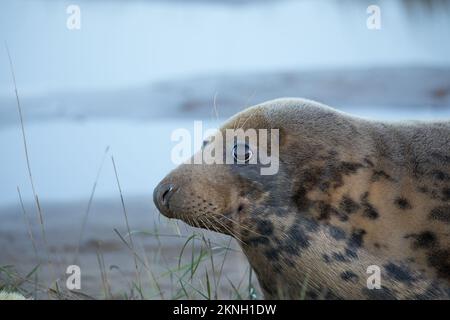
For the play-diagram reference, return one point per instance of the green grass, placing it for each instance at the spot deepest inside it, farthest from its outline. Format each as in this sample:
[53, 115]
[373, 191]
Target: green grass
[196, 273]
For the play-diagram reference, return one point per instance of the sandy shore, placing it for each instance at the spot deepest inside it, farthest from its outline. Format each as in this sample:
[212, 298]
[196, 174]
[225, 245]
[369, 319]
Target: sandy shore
[62, 228]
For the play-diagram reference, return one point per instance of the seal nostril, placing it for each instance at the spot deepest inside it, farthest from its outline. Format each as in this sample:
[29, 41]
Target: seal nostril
[165, 195]
[161, 196]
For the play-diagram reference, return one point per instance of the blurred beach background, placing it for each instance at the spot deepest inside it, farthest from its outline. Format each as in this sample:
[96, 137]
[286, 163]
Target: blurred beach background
[137, 70]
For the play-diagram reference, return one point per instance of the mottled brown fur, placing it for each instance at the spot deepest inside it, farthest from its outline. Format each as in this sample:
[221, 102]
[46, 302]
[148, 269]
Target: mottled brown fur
[349, 193]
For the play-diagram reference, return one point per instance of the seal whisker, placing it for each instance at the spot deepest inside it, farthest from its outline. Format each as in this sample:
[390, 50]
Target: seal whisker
[232, 233]
[222, 225]
[248, 118]
[216, 112]
[211, 224]
[240, 225]
[206, 223]
[191, 222]
[236, 125]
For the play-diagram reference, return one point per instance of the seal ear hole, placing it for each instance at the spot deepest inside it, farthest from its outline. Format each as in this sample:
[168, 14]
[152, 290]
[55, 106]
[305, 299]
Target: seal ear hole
[240, 208]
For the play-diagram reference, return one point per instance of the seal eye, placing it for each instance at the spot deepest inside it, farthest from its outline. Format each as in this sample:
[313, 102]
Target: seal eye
[242, 153]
